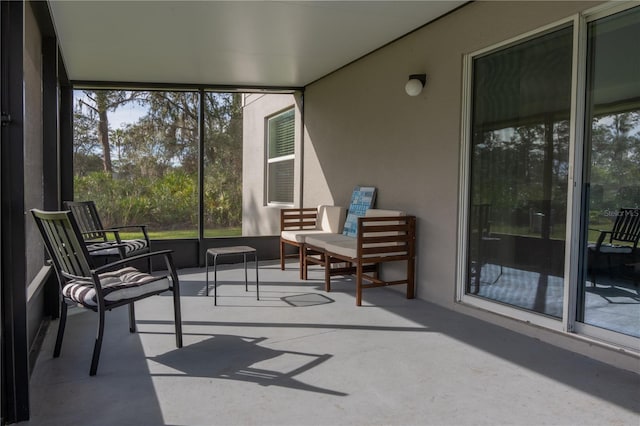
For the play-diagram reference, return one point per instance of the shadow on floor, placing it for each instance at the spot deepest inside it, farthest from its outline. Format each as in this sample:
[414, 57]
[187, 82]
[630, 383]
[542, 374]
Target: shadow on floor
[242, 358]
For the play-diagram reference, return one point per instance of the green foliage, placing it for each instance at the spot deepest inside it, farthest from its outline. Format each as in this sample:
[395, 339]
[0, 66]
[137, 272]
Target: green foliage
[154, 174]
[165, 204]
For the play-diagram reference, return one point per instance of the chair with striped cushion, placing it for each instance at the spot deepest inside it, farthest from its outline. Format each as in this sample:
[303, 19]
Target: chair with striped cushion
[621, 242]
[99, 242]
[102, 288]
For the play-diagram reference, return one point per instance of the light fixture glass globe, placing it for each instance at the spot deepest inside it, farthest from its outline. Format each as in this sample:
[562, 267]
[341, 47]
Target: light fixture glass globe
[413, 87]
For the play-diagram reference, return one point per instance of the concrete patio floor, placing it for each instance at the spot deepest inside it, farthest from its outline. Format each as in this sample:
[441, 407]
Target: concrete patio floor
[301, 356]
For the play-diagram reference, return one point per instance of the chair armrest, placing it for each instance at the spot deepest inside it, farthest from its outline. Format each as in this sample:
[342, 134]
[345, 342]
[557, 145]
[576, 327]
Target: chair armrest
[143, 229]
[298, 218]
[392, 236]
[601, 237]
[127, 226]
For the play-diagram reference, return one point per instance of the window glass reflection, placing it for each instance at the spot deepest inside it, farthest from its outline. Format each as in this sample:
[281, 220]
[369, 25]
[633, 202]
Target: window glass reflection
[609, 295]
[519, 170]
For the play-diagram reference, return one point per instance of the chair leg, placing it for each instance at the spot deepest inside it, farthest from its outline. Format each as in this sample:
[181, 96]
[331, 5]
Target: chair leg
[477, 277]
[98, 344]
[593, 271]
[62, 322]
[301, 254]
[327, 272]
[132, 318]
[411, 274]
[177, 316]
[281, 255]
[359, 284]
[176, 298]
[303, 262]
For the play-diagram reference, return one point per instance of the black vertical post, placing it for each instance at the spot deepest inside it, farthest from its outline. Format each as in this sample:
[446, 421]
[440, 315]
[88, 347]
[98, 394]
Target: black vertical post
[65, 149]
[50, 153]
[201, 154]
[50, 129]
[15, 352]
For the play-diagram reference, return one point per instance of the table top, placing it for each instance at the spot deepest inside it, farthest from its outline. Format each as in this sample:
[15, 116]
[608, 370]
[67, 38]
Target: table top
[231, 250]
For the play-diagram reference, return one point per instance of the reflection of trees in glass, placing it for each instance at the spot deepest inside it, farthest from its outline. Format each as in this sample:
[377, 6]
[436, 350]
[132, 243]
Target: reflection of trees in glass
[509, 169]
[522, 170]
[615, 162]
[153, 177]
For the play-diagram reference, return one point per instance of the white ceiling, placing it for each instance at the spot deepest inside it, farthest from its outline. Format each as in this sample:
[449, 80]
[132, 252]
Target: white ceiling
[238, 43]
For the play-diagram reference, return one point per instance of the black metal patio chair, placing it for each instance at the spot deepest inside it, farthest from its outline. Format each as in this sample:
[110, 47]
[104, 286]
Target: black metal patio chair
[620, 242]
[103, 288]
[98, 239]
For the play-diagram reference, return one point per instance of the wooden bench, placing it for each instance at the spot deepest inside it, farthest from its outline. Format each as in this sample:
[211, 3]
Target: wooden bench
[296, 224]
[383, 236]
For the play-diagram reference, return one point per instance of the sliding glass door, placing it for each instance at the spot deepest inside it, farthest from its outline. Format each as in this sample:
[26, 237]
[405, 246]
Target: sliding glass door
[521, 104]
[609, 292]
[552, 177]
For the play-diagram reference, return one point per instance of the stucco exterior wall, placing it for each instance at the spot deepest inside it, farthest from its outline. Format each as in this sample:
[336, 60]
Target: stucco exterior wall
[259, 218]
[362, 128]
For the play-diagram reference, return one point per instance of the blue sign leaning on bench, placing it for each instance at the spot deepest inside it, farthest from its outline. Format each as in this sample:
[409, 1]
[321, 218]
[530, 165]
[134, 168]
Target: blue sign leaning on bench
[362, 199]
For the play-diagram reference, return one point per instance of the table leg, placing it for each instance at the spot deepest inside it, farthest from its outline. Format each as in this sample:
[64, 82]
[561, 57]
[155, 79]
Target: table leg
[246, 285]
[215, 280]
[206, 267]
[255, 258]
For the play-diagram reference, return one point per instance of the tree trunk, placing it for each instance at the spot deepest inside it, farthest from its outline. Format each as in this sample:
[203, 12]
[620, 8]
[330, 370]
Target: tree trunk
[103, 130]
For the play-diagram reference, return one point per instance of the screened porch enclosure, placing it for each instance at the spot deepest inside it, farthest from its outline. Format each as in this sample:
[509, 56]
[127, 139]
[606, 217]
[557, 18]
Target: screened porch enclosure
[202, 122]
[174, 159]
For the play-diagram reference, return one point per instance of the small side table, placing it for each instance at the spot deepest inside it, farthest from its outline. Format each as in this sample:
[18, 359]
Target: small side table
[226, 251]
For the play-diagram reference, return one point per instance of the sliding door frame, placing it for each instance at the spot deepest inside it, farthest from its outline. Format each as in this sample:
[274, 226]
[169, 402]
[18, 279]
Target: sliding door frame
[577, 131]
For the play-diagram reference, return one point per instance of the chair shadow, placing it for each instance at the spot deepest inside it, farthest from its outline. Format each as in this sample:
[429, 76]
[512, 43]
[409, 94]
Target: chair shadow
[242, 358]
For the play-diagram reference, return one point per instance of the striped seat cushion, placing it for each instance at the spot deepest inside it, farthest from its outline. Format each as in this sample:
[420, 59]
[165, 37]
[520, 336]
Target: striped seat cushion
[612, 248]
[126, 283]
[130, 247]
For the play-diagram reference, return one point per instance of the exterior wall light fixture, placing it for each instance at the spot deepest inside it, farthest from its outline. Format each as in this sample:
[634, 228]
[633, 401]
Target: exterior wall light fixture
[415, 84]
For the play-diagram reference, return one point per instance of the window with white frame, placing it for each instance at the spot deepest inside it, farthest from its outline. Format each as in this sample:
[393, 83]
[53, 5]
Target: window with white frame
[280, 157]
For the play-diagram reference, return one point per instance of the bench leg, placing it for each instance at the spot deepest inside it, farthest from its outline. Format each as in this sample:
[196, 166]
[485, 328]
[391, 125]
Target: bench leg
[327, 272]
[359, 284]
[301, 254]
[281, 255]
[411, 274]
